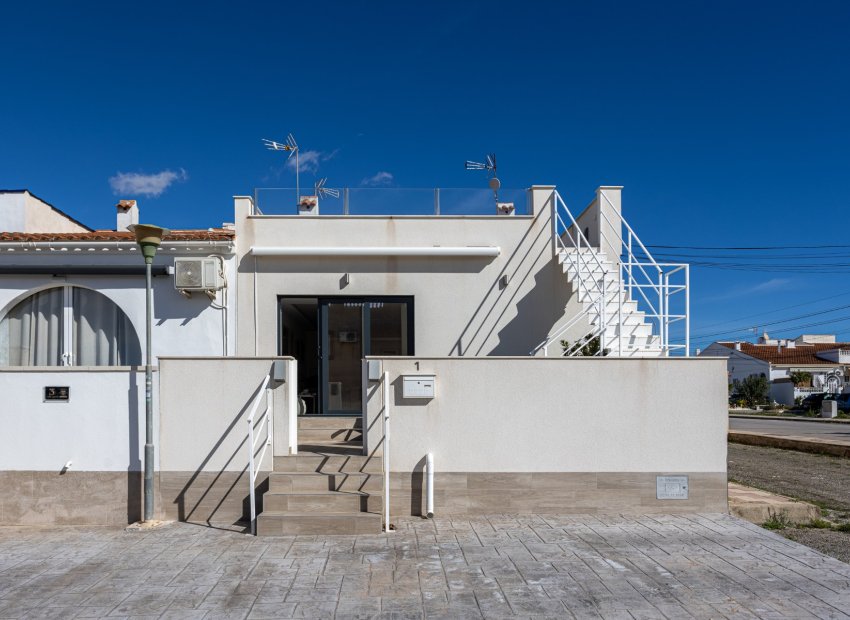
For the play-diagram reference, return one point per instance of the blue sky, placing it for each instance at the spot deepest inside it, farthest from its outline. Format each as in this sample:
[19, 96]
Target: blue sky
[726, 122]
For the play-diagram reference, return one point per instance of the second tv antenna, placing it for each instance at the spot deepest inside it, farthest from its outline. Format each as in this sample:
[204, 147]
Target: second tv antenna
[489, 164]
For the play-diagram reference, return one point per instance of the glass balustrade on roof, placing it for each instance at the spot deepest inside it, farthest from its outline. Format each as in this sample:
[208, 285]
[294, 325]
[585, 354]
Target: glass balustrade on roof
[391, 201]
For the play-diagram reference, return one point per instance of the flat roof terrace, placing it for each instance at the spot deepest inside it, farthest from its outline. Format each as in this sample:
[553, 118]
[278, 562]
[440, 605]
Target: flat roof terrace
[390, 201]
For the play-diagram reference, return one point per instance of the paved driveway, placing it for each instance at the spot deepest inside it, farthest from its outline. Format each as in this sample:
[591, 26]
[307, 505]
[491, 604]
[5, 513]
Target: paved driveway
[797, 428]
[704, 566]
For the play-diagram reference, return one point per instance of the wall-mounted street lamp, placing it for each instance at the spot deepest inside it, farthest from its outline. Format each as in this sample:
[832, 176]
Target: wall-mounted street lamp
[149, 239]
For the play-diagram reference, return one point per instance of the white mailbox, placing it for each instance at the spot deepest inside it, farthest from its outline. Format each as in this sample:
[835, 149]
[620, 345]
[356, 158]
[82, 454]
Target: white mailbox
[418, 386]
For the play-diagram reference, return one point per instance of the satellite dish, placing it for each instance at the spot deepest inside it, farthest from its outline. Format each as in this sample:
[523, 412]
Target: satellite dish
[495, 184]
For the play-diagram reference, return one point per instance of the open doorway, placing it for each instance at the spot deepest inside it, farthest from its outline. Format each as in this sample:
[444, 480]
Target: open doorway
[299, 338]
[330, 336]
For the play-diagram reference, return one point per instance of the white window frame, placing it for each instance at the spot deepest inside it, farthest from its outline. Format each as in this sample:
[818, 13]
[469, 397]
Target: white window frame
[67, 325]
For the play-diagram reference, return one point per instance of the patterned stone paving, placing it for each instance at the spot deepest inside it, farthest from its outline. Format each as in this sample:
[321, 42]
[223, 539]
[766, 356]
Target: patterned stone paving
[502, 566]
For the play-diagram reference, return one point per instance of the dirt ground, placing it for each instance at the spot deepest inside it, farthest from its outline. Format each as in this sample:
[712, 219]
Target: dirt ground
[821, 480]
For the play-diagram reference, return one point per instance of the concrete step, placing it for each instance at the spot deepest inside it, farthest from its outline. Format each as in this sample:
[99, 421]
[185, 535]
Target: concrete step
[333, 435]
[271, 523]
[642, 330]
[611, 318]
[328, 463]
[321, 502]
[329, 422]
[280, 482]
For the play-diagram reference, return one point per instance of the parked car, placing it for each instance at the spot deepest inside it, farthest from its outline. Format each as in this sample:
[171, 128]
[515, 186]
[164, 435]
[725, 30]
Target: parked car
[813, 401]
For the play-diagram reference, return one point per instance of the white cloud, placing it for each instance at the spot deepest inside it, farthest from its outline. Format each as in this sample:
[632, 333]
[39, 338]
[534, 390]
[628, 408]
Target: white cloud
[381, 178]
[134, 183]
[770, 285]
[308, 161]
[774, 284]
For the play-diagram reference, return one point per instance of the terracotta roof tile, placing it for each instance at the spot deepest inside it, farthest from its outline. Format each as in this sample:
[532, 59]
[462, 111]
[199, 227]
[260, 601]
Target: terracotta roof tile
[800, 355]
[213, 234]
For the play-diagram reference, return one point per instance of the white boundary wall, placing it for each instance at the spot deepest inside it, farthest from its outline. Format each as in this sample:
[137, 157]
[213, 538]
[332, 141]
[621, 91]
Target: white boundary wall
[101, 427]
[205, 403]
[556, 415]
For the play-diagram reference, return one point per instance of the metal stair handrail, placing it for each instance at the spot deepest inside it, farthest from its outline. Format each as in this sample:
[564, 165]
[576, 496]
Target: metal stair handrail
[265, 418]
[661, 288]
[597, 288]
[640, 279]
[385, 419]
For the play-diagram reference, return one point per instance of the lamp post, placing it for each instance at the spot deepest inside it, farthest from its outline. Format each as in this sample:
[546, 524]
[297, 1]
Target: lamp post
[149, 238]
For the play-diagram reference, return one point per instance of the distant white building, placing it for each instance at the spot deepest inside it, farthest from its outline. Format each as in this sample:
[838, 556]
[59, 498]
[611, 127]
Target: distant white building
[820, 355]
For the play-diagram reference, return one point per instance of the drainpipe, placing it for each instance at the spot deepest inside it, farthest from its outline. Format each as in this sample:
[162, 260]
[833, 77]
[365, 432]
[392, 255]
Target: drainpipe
[429, 486]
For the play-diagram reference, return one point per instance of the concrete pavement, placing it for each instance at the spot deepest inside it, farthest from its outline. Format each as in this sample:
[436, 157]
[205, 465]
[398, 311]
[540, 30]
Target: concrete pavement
[698, 566]
[792, 428]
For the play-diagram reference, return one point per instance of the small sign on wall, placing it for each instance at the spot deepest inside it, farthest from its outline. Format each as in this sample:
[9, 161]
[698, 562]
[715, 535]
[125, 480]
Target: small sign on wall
[57, 394]
[671, 487]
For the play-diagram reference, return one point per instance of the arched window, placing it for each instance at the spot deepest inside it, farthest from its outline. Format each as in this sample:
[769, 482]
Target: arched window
[68, 326]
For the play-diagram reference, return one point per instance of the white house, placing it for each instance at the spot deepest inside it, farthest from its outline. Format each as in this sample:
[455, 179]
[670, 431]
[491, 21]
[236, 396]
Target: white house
[826, 360]
[330, 354]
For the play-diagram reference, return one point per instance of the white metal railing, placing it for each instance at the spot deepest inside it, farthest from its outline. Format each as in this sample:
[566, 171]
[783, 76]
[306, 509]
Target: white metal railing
[654, 287]
[254, 460]
[586, 268]
[385, 388]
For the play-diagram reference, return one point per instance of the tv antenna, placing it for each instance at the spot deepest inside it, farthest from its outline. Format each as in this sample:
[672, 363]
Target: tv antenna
[489, 165]
[291, 146]
[323, 191]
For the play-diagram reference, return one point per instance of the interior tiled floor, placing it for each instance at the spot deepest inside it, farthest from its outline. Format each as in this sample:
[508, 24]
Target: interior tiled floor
[703, 566]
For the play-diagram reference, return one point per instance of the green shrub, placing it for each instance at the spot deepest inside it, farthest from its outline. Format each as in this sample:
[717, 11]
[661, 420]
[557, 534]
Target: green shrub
[844, 527]
[819, 524]
[777, 521]
[753, 390]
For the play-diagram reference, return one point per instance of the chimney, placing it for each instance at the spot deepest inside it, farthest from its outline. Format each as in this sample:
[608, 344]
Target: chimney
[128, 213]
[791, 344]
[737, 346]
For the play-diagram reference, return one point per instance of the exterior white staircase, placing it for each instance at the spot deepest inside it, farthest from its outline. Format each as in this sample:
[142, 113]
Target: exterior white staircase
[626, 331]
[631, 305]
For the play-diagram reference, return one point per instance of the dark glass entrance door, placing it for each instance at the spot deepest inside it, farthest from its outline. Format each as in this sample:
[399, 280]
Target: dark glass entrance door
[350, 329]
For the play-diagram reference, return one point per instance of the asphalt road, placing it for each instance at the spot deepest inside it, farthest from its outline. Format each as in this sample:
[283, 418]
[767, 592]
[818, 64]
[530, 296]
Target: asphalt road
[796, 428]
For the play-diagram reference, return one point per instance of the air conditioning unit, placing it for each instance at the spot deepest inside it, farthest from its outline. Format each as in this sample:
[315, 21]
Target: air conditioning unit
[335, 395]
[198, 274]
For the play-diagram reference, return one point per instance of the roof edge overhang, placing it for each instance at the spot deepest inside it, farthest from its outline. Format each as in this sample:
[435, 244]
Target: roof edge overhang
[454, 251]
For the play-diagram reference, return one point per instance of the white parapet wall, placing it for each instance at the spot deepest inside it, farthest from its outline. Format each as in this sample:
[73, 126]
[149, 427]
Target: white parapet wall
[98, 430]
[205, 404]
[585, 434]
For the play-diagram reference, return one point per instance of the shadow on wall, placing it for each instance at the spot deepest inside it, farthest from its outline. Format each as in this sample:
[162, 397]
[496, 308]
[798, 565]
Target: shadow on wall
[134, 467]
[537, 312]
[520, 335]
[208, 498]
[170, 305]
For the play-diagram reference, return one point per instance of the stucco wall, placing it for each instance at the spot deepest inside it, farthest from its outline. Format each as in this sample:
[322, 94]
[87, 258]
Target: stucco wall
[557, 415]
[203, 445]
[205, 404]
[13, 214]
[101, 428]
[41, 217]
[20, 211]
[181, 326]
[460, 306]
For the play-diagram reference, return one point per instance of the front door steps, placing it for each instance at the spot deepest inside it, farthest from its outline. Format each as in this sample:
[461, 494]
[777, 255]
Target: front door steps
[329, 487]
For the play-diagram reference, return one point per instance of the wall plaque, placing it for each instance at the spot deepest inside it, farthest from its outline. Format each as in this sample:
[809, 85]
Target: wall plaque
[57, 393]
[671, 487]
